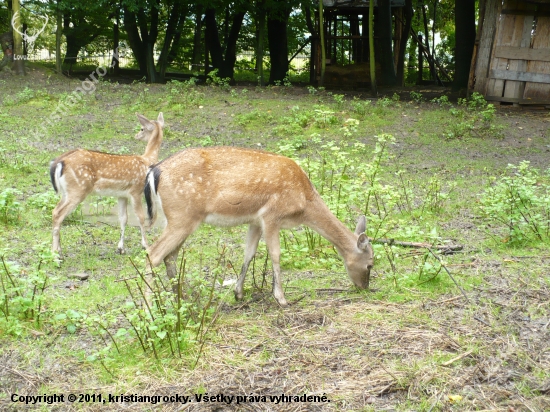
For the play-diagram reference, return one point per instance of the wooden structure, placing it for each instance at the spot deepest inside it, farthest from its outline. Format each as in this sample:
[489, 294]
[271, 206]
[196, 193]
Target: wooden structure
[511, 62]
[347, 44]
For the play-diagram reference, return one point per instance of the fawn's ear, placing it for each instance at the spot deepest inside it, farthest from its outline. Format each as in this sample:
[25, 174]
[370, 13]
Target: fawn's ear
[160, 120]
[363, 242]
[146, 123]
[361, 225]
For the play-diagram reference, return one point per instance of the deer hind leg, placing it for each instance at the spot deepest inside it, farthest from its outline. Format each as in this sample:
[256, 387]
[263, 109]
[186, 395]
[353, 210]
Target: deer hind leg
[123, 219]
[65, 206]
[252, 239]
[171, 263]
[138, 210]
[271, 235]
[168, 245]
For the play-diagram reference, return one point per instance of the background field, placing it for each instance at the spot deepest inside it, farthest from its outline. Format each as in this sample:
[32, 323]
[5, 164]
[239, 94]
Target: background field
[424, 171]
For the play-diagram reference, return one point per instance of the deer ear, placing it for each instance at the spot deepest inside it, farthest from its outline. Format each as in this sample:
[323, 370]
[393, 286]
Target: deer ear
[363, 242]
[361, 225]
[145, 122]
[160, 120]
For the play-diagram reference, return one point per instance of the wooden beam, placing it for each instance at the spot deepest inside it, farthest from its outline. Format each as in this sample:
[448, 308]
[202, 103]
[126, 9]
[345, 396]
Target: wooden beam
[525, 102]
[522, 53]
[519, 76]
[502, 99]
[540, 13]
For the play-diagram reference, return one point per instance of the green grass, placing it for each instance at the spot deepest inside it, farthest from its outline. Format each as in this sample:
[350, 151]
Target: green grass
[419, 186]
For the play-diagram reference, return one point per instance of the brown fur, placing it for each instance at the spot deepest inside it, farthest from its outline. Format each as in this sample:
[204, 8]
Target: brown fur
[79, 173]
[227, 186]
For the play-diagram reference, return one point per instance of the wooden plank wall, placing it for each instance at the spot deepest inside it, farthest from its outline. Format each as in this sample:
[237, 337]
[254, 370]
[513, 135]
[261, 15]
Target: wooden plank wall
[517, 69]
[488, 28]
[541, 43]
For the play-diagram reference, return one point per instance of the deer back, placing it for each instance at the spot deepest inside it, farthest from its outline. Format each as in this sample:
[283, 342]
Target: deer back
[232, 182]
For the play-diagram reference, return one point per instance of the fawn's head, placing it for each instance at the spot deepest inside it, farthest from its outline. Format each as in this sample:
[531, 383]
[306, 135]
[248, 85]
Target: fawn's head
[359, 263]
[148, 127]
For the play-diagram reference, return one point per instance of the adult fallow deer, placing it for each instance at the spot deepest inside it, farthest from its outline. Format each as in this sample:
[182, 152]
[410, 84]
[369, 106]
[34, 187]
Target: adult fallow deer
[227, 186]
[79, 173]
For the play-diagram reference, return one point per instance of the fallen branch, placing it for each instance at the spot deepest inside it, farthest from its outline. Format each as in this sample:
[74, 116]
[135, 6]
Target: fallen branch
[450, 362]
[446, 249]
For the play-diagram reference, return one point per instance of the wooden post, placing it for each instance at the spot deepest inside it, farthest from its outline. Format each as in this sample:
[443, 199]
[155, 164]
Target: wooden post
[334, 57]
[372, 62]
[58, 34]
[260, 47]
[420, 60]
[323, 50]
[206, 54]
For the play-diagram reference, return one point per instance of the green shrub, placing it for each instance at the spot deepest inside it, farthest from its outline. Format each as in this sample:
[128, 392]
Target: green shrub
[10, 208]
[519, 204]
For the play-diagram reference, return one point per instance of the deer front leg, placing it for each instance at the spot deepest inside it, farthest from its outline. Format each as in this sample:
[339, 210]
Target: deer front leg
[140, 214]
[252, 239]
[123, 219]
[271, 236]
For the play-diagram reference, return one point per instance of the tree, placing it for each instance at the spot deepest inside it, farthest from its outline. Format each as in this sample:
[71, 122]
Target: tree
[6, 41]
[278, 12]
[385, 51]
[407, 15]
[174, 27]
[83, 22]
[224, 55]
[260, 19]
[141, 23]
[465, 26]
[19, 62]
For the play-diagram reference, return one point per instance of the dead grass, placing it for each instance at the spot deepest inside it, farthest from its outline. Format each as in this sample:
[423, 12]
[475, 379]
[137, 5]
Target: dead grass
[362, 355]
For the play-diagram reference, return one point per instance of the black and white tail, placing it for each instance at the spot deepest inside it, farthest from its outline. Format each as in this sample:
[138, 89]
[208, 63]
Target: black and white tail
[56, 171]
[151, 195]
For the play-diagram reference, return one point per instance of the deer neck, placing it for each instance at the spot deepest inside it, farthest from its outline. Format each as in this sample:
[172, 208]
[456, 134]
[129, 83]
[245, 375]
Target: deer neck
[153, 146]
[321, 219]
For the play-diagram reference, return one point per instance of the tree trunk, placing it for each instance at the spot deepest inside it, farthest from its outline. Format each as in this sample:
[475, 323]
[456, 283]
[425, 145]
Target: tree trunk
[385, 56]
[6, 39]
[261, 40]
[115, 64]
[73, 47]
[466, 32]
[231, 46]
[58, 34]
[407, 15]
[149, 38]
[130, 26]
[313, 58]
[197, 45]
[278, 42]
[176, 45]
[426, 42]
[224, 64]
[177, 15]
[19, 62]
[143, 41]
[214, 45]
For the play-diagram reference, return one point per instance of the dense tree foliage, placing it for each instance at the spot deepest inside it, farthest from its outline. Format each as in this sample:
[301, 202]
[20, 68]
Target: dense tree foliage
[227, 35]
